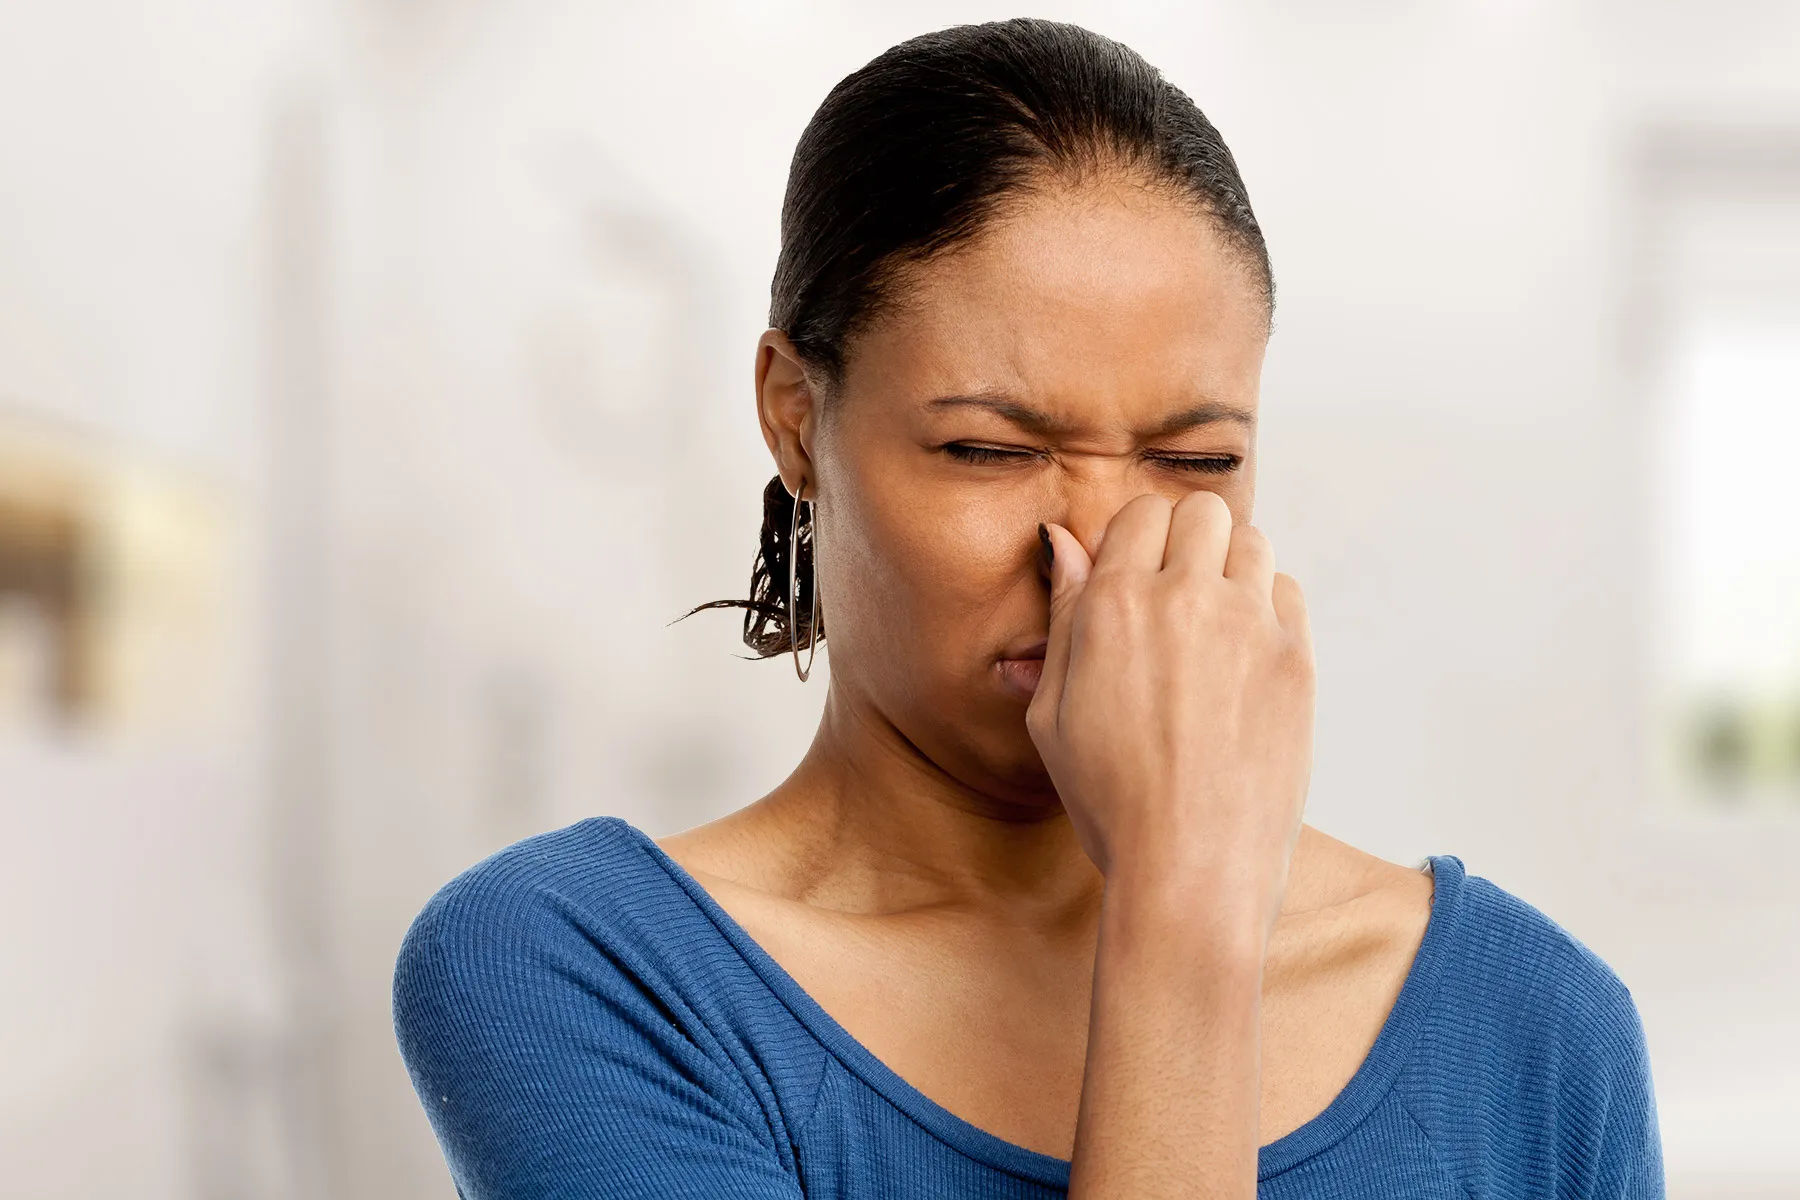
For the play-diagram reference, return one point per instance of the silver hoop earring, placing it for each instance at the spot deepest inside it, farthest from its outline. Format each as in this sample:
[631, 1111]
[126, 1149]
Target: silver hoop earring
[793, 611]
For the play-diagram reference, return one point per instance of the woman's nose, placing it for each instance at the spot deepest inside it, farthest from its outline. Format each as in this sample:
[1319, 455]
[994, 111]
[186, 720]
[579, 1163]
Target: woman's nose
[1089, 508]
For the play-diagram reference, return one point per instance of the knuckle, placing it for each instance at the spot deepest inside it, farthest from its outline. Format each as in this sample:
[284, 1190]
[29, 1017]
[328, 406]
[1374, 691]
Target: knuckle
[1250, 538]
[1178, 594]
[1242, 605]
[1299, 674]
[1235, 610]
[1110, 597]
[1295, 659]
[1128, 608]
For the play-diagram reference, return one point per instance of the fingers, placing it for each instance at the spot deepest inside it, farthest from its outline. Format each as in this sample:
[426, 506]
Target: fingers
[1251, 560]
[1135, 537]
[1290, 608]
[1199, 535]
[1069, 571]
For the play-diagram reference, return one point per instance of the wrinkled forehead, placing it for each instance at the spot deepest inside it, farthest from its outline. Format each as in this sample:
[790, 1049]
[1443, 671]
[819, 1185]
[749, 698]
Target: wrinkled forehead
[1109, 303]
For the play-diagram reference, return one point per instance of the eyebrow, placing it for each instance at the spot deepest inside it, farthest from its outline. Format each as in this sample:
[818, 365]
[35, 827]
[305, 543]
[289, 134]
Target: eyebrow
[1035, 420]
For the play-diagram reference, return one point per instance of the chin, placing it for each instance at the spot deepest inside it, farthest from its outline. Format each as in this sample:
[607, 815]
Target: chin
[1006, 766]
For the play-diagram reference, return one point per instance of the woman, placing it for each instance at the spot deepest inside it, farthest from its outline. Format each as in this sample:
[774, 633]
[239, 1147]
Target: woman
[1036, 915]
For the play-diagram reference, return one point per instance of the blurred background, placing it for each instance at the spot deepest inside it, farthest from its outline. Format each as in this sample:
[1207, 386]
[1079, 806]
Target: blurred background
[375, 388]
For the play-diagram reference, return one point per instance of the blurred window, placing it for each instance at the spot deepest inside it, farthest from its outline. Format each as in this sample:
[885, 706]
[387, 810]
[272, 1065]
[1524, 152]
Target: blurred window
[1726, 474]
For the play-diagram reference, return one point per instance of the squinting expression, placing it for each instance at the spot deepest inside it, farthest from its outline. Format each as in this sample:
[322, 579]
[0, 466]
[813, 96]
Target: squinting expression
[1099, 343]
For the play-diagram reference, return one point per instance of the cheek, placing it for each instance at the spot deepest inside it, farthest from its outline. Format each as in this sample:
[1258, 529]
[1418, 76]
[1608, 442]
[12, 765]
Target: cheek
[928, 567]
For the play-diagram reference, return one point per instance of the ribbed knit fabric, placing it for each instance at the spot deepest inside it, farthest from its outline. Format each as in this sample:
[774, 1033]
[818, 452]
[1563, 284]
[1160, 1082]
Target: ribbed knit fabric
[583, 1021]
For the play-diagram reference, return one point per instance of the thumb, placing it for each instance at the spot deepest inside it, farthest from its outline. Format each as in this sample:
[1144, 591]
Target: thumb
[1069, 570]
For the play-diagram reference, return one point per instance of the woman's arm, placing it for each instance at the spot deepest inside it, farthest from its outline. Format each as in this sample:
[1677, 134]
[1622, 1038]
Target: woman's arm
[552, 1069]
[1175, 717]
[1169, 1100]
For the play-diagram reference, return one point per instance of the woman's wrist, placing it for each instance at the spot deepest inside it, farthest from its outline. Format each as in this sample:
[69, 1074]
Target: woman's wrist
[1190, 916]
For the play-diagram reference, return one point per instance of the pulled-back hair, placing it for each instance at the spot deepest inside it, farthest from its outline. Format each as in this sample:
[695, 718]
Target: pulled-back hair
[913, 155]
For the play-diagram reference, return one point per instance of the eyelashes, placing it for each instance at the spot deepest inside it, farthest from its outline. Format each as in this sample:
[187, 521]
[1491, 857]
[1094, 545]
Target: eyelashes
[1211, 464]
[985, 454]
[1207, 464]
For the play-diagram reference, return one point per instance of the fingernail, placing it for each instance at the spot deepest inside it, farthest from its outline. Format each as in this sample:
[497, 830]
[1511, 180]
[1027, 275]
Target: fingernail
[1044, 539]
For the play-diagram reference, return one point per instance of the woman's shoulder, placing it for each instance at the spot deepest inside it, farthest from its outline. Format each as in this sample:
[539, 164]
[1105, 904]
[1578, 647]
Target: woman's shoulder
[592, 874]
[568, 1012]
[1528, 1030]
[584, 910]
[1512, 1047]
[583, 934]
[1470, 939]
[1513, 967]
[1497, 997]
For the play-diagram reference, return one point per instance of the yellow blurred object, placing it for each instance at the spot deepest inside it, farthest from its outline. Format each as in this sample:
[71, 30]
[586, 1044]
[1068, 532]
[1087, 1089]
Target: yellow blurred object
[111, 587]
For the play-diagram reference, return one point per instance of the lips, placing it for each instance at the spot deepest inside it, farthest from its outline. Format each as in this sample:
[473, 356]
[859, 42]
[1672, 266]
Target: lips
[1020, 667]
[1026, 649]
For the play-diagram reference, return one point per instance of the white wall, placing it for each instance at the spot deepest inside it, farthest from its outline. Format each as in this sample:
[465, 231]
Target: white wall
[1453, 457]
[139, 989]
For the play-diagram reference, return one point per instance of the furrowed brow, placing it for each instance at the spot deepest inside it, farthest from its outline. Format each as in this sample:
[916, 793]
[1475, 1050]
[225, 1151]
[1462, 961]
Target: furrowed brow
[1209, 412]
[1031, 420]
[1034, 420]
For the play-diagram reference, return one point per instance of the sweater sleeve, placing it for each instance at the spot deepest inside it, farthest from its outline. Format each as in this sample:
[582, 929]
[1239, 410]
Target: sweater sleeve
[550, 1066]
[1533, 1077]
[1628, 1161]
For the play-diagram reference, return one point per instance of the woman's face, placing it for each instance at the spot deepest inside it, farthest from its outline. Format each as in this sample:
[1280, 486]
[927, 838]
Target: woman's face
[1097, 344]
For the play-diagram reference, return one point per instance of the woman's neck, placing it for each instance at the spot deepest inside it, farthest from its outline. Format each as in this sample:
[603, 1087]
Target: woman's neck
[867, 823]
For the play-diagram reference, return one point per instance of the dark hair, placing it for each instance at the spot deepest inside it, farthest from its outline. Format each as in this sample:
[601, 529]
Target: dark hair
[913, 154]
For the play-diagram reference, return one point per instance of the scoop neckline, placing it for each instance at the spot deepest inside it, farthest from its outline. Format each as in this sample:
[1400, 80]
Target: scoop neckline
[1370, 1084]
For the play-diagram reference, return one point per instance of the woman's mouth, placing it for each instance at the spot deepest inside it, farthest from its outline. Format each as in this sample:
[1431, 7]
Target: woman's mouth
[1020, 667]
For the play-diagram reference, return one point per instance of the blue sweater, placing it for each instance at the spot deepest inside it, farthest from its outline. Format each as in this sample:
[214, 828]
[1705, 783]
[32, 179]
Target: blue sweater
[582, 1020]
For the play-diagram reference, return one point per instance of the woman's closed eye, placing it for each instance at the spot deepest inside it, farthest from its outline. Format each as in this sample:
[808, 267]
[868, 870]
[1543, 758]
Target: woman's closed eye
[967, 452]
[1210, 464]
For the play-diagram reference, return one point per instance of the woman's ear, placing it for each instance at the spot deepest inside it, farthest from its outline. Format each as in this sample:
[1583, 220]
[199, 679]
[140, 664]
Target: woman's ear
[787, 408]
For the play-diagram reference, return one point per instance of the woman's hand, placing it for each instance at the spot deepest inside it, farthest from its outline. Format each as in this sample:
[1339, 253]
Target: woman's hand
[1175, 708]
[1174, 713]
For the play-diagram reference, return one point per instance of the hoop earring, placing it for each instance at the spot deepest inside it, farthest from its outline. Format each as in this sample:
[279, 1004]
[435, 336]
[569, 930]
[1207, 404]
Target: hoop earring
[793, 611]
